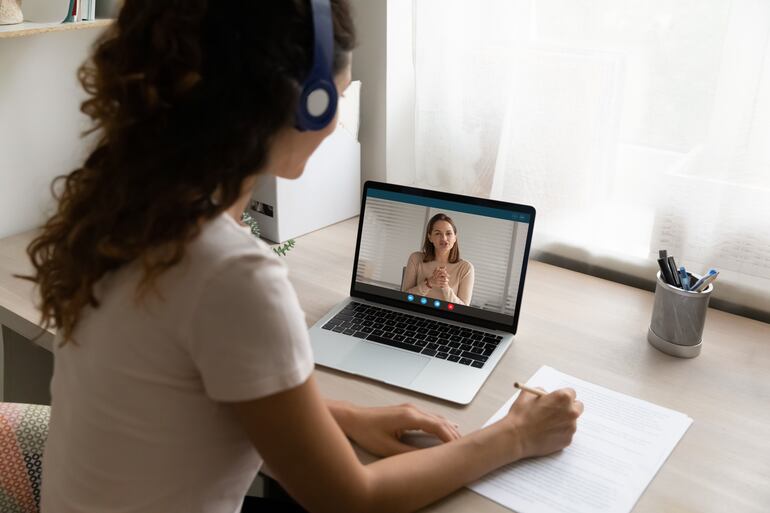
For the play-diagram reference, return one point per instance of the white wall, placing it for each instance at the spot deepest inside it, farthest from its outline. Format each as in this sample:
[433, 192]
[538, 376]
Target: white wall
[383, 62]
[400, 129]
[369, 64]
[40, 122]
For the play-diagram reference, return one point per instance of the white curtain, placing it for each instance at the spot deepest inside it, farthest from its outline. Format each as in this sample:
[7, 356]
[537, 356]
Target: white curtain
[630, 125]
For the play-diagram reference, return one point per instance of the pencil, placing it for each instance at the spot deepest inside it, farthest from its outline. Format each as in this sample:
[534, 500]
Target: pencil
[529, 389]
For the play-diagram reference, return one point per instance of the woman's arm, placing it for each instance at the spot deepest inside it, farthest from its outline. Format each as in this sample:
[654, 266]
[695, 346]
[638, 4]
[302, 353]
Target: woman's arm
[410, 278]
[465, 288]
[309, 455]
[378, 430]
[450, 297]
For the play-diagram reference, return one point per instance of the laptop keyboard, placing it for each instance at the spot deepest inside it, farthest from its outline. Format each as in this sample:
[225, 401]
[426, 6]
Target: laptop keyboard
[458, 344]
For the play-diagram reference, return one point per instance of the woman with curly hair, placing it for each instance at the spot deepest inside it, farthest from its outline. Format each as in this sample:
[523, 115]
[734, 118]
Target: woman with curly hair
[182, 358]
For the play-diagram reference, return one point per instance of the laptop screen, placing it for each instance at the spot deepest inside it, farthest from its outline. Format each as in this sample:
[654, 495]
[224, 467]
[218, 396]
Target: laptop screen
[451, 256]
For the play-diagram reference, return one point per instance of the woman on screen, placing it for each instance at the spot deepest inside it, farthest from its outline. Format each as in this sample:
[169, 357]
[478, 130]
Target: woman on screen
[438, 271]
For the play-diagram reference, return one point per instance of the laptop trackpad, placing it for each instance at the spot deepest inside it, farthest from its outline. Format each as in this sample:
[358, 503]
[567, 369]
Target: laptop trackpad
[383, 363]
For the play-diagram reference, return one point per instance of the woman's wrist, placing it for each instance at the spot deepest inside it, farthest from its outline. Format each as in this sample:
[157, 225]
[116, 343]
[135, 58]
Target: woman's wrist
[506, 439]
[427, 283]
[343, 413]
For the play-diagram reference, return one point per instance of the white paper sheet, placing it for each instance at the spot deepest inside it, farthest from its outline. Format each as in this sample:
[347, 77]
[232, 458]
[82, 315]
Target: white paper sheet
[620, 444]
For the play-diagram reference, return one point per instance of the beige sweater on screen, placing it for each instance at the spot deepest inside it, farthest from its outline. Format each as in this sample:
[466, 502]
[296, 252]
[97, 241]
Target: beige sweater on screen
[461, 277]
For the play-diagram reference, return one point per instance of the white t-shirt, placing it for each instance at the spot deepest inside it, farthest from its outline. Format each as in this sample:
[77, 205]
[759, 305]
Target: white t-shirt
[136, 421]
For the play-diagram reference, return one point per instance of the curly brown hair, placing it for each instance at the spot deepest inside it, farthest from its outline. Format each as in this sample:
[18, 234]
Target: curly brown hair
[185, 97]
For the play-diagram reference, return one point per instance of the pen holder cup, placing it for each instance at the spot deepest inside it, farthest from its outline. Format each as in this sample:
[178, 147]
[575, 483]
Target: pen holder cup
[678, 317]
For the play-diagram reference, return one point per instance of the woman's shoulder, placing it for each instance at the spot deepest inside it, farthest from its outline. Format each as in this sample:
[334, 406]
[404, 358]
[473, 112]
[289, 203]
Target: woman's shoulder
[223, 244]
[224, 237]
[416, 257]
[464, 264]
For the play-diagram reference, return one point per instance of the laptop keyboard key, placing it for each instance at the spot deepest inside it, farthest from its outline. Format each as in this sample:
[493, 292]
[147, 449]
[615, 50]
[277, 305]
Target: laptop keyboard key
[416, 334]
[474, 356]
[393, 343]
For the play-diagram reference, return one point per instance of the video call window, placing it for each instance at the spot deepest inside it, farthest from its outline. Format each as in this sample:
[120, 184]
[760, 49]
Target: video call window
[485, 253]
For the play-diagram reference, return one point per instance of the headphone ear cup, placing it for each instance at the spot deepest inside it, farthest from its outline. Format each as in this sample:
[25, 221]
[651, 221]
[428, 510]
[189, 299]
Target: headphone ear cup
[317, 105]
[318, 99]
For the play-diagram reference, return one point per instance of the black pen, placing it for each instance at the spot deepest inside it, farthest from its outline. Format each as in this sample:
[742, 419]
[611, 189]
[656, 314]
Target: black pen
[674, 271]
[665, 270]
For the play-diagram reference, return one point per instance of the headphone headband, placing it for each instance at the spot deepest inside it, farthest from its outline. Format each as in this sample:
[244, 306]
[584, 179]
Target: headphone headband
[318, 98]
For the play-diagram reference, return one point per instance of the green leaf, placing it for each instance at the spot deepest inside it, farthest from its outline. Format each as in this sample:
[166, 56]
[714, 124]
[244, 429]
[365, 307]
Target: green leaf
[254, 225]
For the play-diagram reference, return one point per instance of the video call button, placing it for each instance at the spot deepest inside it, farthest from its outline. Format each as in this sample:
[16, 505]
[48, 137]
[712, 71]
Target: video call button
[410, 297]
[437, 303]
[424, 300]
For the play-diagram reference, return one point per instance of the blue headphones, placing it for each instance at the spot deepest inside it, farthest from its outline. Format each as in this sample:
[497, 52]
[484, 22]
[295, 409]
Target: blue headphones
[318, 99]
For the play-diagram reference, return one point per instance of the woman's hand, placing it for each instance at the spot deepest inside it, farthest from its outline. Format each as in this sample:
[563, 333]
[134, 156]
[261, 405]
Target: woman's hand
[544, 424]
[379, 430]
[440, 278]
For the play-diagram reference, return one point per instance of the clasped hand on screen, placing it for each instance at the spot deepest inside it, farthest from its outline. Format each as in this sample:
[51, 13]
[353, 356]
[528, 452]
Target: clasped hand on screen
[440, 278]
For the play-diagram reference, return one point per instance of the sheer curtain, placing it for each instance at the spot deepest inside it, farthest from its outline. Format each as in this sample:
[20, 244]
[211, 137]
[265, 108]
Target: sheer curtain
[630, 125]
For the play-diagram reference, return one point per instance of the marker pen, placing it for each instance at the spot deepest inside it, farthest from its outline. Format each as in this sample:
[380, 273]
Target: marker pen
[674, 271]
[665, 271]
[703, 283]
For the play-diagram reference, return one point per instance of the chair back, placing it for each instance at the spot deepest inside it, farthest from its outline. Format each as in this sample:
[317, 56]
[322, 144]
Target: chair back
[23, 432]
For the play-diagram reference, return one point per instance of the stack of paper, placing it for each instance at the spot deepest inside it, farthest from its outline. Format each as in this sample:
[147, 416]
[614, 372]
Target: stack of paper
[620, 445]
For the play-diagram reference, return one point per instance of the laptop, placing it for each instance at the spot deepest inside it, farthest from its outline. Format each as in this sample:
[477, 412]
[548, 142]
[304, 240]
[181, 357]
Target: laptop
[429, 312]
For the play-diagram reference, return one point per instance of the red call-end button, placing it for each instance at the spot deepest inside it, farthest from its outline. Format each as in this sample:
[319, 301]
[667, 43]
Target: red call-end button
[450, 306]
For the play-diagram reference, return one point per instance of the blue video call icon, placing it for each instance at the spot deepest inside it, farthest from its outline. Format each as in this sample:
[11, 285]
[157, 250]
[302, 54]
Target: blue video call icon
[437, 303]
[410, 297]
[424, 300]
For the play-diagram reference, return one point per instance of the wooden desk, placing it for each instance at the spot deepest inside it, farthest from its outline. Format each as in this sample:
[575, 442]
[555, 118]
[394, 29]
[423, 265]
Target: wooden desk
[584, 326]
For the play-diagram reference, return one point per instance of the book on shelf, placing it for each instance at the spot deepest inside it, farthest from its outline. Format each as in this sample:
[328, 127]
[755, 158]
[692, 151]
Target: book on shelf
[81, 10]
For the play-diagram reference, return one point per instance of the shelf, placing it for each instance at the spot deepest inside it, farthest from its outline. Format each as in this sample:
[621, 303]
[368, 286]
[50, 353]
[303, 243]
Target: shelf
[29, 28]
